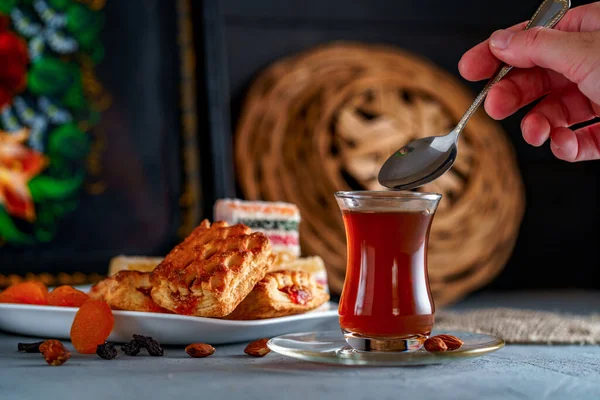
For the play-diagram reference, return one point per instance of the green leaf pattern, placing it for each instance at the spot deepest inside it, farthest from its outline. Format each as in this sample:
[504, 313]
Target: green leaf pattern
[53, 106]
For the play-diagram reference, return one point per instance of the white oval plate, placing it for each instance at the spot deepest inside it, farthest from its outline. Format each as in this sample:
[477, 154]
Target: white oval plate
[170, 329]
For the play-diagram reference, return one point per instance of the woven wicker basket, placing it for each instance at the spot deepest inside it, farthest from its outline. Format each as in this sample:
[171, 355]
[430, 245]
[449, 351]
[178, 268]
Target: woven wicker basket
[325, 120]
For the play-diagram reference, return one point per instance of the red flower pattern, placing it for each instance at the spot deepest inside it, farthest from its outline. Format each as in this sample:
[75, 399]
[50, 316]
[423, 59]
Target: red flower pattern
[13, 63]
[18, 165]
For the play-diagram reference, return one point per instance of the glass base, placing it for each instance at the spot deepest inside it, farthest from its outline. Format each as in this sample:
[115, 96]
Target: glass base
[374, 344]
[331, 348]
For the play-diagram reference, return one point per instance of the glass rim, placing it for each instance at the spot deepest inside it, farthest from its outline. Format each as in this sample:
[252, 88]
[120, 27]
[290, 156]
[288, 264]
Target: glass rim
[387, 194]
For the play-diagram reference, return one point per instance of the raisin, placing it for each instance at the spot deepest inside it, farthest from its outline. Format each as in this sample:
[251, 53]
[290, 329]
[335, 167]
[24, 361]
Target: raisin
[29, 347]
[143, 342]
[106, 351]
[131, 349]
[154, 348]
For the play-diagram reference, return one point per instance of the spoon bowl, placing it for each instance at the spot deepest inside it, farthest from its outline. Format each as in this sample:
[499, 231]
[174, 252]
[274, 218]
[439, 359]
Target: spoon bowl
[419, 162]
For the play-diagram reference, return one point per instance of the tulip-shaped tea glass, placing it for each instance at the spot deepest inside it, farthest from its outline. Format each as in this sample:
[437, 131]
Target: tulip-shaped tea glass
[386, 304]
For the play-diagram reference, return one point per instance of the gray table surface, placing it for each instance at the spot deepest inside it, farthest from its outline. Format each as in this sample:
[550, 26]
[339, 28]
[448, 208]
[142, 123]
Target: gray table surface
[514, 372]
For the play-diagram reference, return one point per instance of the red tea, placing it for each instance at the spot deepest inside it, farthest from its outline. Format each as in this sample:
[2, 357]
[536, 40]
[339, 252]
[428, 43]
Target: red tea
[386, 293]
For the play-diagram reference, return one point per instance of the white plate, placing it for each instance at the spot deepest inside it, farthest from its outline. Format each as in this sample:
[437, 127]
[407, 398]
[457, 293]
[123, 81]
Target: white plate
[169, 329]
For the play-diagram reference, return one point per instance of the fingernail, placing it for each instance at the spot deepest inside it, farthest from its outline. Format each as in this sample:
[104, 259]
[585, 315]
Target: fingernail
[500, 39]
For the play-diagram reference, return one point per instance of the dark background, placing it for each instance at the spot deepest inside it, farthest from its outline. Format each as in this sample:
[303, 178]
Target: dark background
[233, 40]
[557, 245]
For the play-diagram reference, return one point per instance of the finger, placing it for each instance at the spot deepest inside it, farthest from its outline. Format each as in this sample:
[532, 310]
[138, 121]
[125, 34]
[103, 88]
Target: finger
[565, 108]
[479, 62]
[574, 55]
[584, 18]
[596, 108]
[558, 110]
[580, 145]
[536, 129]
[521, 88]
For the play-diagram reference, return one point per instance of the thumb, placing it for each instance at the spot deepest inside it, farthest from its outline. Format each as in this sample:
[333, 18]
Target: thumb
[576, 55]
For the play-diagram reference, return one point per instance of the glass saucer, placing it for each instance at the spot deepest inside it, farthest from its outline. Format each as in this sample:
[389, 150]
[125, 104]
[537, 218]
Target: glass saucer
[331, 348]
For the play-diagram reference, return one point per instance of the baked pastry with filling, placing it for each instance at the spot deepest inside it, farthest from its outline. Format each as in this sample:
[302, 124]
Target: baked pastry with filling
[127, 290]
[133, 263]
[212, 270]
[313, 265]
[279, 294]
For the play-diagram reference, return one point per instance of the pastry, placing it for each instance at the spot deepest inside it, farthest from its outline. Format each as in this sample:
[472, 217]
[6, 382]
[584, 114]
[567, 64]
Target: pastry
[212, 270]
[127, 263]
[313, 265]
[100, 289]
[127, 290]
[279, 294]
[278, 220]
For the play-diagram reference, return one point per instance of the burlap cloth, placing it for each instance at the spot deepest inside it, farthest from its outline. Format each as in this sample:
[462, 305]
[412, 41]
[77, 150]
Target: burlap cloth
[524, 326]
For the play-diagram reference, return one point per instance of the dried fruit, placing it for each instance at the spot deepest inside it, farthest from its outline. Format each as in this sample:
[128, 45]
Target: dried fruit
[25, 293]
[452, 342]
[258, 348]
[54, 352]
[66, 296]
[106, 351]
[199, 350]
[154, 348]
[92, 325]
[41, 285]
[435, 344]
[29, 347]
[142, 342]
[132, 348]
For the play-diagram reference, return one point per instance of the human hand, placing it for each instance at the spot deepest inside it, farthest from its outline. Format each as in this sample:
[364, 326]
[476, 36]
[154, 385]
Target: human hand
[562, 64]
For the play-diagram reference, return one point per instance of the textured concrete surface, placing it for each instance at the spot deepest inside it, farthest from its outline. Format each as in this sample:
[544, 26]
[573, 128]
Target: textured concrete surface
[515, 372]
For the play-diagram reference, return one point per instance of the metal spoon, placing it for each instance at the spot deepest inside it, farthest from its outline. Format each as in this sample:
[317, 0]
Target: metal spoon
[423, 160]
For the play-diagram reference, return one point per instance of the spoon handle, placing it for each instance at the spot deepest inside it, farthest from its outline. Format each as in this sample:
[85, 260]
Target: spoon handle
[547, 15]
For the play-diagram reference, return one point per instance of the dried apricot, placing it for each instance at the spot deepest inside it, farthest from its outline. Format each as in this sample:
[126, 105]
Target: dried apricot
[92, 325]
[40, 284]
[25, 293]
[66, 296]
